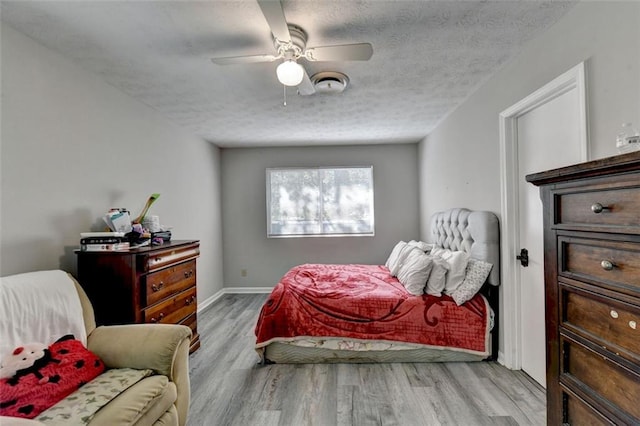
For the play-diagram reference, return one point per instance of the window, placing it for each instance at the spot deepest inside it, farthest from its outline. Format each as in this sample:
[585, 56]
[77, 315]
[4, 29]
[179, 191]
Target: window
[320, 201]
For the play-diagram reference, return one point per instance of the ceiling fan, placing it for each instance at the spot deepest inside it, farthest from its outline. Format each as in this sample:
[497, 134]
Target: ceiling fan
[290, 42]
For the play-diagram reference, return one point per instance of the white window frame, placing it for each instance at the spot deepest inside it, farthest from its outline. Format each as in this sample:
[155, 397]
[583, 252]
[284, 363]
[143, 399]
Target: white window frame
[271, 234]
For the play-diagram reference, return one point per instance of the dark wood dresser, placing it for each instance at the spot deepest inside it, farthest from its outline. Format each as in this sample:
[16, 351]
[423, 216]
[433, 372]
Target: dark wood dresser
[592, 283]
[146, 285]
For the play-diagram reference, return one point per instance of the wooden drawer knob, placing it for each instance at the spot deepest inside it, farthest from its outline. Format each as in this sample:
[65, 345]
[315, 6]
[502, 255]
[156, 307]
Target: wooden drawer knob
[598, 208]
[607, 265]
[157, 287]
[190, 300]
[154, 319]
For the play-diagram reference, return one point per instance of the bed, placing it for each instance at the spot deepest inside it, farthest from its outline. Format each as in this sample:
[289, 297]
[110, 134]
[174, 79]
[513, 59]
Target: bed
[367, 313]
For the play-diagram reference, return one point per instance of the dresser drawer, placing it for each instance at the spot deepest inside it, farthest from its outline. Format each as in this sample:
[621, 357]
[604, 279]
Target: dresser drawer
[172, 310]
[578, 413]
[170, 280]
[191, 322]
[619, 386]
[617, 207]
[163, 258]
[610, 263]
[614, 324]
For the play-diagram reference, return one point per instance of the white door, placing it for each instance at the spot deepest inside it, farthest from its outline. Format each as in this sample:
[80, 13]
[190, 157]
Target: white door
[547, 138]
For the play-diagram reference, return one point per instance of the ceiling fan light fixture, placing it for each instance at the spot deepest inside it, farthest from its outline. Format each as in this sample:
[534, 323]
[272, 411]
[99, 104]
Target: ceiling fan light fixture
[290, 73]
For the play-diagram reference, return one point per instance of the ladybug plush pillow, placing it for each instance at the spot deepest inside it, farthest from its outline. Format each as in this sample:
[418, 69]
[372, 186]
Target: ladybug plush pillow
[35, 377]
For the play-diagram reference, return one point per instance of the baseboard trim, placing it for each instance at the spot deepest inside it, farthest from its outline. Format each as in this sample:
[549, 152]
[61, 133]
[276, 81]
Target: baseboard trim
[202, 306]
[501, 359]
[247, 290]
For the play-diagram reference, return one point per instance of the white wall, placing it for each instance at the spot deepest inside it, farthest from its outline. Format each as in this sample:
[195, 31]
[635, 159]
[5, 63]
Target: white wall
[73, 146]
[459, 161]
[245, 242]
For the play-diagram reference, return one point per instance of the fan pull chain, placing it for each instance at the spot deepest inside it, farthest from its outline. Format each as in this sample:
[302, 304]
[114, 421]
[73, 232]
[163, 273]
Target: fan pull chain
[284, 88]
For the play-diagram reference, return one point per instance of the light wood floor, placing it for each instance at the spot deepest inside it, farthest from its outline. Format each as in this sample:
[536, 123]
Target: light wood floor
[229, 387]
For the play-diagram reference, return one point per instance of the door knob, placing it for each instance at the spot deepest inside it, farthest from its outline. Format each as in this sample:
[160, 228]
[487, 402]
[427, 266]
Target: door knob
[523, 257]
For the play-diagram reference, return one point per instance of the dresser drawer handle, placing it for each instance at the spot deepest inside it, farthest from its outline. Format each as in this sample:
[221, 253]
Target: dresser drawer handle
[190, 300]
[607, 265]
[614, 314]
[157, 287]
[599, 208]
[188, 274]
[632, 324]
[153, 319]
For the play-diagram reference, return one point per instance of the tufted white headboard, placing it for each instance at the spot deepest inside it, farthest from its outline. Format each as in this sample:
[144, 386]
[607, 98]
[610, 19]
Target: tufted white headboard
[475, 232]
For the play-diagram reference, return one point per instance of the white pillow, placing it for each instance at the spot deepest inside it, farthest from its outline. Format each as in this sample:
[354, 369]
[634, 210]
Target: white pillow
[425, 247]
[402, 257]
[393, 257]
[438, 251]
[476, 274]
[437, 277]
[457, 261]
[415, 271]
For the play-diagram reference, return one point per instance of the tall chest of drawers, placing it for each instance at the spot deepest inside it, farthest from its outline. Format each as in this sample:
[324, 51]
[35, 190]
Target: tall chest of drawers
[592, 284]
[146, 285]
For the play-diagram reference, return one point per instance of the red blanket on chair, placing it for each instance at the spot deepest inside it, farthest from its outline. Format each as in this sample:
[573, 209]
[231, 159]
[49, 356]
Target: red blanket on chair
[366, 302]
[67, 366]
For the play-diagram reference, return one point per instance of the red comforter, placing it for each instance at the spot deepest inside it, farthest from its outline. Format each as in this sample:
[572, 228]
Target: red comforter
[366, 302]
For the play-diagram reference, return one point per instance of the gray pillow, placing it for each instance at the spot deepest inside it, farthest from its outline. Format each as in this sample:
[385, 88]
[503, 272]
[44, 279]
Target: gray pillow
[476, 274]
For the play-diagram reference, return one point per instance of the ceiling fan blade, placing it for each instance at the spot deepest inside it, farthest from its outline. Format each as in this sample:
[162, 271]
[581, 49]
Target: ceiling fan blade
[252, 59]
[305, 88]
[344, 52]
[273, 13]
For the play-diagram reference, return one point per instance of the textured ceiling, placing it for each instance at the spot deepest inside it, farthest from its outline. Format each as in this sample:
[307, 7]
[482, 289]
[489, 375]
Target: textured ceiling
[429, 56]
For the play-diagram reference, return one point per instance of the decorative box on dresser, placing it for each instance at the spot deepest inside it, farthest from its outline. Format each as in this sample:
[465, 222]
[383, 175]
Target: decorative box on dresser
[153, 284]
[592, 284]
